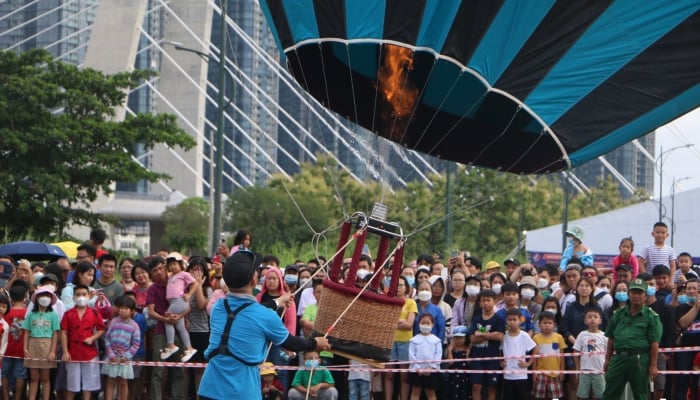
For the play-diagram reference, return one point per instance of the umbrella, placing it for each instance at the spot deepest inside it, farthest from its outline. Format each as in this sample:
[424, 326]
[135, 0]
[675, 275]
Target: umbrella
[68, 247]
[521, 86]
[32, 251]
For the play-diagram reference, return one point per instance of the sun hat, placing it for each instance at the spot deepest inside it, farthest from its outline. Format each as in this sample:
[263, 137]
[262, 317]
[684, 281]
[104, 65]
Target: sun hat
[576, 231]
[45, 289]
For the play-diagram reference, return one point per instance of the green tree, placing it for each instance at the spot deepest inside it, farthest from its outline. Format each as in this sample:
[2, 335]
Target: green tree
[60, 146]
[187, 226]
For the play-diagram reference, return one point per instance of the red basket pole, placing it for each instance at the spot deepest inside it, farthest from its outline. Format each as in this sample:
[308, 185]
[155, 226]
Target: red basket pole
[379, 262]
[359, 244]
[396, 271]
[334, 274]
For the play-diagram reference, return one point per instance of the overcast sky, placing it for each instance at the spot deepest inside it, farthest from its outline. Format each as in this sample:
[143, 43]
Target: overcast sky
[681, 163]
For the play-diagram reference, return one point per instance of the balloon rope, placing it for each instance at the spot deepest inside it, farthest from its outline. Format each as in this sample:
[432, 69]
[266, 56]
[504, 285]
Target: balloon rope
[308, 384]
[341, 249]
[369, 281]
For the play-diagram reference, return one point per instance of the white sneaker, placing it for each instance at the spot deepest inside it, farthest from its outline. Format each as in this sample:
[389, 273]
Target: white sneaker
[167, 352]
[188, 354]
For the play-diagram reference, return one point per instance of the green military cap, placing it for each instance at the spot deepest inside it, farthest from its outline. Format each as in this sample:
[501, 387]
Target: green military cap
[638, 284]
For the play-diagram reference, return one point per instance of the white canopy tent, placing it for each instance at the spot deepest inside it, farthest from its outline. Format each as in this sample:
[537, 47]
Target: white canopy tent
[603, 232]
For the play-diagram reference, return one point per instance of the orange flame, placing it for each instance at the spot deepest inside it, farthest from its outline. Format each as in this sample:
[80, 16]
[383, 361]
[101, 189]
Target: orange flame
[398, 91]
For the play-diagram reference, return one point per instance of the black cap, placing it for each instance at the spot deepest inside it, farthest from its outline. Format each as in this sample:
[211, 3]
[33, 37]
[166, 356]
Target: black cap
[48, 277]
[511, 260]
[626, 267]
[291, 267]
[239, 269]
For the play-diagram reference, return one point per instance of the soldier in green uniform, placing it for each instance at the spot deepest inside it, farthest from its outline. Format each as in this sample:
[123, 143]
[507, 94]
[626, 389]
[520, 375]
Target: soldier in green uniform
[633, 346]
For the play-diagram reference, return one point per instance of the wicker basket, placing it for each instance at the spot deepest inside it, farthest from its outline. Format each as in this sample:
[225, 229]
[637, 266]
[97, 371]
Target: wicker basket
[367, 329]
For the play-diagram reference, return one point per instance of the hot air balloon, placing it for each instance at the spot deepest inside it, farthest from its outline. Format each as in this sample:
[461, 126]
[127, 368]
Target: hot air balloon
[521, 86]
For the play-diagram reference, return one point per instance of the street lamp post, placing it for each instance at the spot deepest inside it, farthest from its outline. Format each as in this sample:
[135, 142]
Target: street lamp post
[660, 163]
[673, 205]
[217, 187]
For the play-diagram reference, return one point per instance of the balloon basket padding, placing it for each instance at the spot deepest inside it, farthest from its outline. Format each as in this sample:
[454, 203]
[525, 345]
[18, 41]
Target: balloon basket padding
[368, 327]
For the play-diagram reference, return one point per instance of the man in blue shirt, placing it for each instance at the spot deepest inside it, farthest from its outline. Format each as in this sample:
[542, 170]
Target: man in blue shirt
[236, 374]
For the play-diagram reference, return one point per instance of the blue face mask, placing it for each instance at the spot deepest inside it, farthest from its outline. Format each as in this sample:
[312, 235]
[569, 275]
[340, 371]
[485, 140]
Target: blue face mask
[291, 279]
[411, 281]
[311, 363]
[262, 281]
[621, 296]
[685, 299]
[651, 290]
[386, 282]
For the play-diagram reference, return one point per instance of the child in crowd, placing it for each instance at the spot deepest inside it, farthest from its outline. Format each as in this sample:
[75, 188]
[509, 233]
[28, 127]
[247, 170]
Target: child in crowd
[271, 387]
[40, 341]
[424, 351]
[516, 345]
[81, 326]
[122, 341]
[5, 307]
[592, 340]
[358, 381]
[320, 387]
[685, 264]
[548, 384]
[458, 349]
[136, 385]
[4, 327]
[658, 252]
[487, 333]
[178, 296]
[625, 257]
[511, 300]
[13, 361]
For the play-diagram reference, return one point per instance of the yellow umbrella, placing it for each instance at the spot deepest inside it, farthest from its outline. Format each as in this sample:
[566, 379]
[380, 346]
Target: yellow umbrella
[68, 247]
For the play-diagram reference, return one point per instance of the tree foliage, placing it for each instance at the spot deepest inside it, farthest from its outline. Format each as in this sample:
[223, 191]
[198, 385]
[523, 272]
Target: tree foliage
[490, 210]
[187, 226]
[60, 146]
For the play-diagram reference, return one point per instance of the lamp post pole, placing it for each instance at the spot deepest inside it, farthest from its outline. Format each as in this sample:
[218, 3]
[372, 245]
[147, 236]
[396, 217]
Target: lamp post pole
[216, 190]
[673, 205]
[660, 163]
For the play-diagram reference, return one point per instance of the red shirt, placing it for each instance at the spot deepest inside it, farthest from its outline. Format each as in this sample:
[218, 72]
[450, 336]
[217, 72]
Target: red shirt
[78, 330]
[15, 338]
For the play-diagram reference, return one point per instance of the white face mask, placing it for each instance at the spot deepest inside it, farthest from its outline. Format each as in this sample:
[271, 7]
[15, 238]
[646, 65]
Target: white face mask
[552, 310]
[81, 301]
[425, 328]
[527, 293]
[424, 295]
[496, 288]
[303, 282]
[473, 290]
[542, 283]
[44, 301]
[38, 276]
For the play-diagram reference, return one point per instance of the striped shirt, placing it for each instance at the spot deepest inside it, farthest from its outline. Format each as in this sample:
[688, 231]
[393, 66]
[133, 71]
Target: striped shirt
[654, 255]
[122, 339]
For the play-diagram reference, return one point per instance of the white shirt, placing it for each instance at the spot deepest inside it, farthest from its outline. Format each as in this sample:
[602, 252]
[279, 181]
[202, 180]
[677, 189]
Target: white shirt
[516, 346]
[307, 298]
[425, 348]
[589, 342]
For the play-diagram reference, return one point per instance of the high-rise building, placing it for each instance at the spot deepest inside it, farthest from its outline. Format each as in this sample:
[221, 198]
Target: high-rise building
[271, 126]
[629, 161]
[59, 26]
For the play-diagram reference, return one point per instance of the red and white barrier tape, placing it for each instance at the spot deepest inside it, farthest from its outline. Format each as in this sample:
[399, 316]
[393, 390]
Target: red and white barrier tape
[401, 363]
